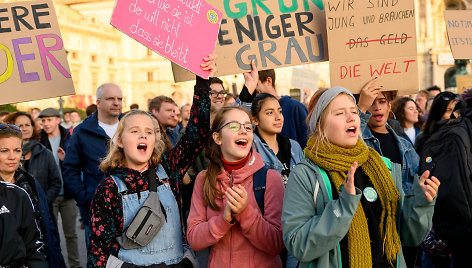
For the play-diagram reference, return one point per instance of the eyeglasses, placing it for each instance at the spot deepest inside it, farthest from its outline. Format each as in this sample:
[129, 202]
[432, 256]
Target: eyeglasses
[236, 126]
[6, 126]
[216, 94]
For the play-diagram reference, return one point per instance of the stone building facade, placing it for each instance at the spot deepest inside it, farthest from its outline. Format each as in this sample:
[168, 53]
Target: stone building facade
[434, 53]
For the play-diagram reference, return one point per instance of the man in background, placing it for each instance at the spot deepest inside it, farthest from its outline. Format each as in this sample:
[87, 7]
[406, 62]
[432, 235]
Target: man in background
[88, 146]
[55, 137]
[163, 108]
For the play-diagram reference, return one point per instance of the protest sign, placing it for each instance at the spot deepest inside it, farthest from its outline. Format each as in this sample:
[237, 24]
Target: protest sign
[459, 32]
[370, 38]
[463, 82]
[275, 33]
[183, 31]
[33, 62]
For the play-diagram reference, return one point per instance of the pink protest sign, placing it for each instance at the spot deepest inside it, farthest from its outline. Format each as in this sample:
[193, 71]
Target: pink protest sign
[183, 31]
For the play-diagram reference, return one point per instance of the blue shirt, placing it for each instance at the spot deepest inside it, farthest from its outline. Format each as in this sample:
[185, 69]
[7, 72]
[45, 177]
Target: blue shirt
[295, 114]
[173, 134]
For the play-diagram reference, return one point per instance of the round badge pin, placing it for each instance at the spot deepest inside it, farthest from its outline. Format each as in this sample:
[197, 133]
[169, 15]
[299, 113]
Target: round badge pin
[370, 194]
[212, 16]
[429, 159]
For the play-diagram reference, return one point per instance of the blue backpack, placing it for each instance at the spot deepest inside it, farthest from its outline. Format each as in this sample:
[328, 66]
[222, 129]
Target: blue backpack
[259, 186]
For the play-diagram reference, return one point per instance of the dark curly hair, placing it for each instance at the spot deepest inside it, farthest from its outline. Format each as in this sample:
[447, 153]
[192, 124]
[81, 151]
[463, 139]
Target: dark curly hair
[398, 109]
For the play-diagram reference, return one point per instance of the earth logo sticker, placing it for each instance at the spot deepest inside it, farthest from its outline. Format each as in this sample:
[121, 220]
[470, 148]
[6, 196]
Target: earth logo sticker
[212, 16]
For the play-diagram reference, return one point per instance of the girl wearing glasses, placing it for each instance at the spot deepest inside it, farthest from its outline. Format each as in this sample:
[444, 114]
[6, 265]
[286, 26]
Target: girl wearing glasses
[225, 214]
[344, 205]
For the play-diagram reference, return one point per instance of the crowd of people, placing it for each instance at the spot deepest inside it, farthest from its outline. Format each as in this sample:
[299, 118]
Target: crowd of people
[255, 180]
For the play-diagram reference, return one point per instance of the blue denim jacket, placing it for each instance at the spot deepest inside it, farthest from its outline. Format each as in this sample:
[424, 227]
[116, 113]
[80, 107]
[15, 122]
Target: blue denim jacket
[410, 159]
[270, 159]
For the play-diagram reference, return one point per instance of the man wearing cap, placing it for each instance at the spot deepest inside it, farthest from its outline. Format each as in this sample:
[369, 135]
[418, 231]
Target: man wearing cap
[88, 145]
[54, 137]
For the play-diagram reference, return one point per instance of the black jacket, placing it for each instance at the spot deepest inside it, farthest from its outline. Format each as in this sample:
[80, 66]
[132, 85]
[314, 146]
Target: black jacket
[42, 166]
[43, 216]
[397, 127]
[19, 235]
[28, 183]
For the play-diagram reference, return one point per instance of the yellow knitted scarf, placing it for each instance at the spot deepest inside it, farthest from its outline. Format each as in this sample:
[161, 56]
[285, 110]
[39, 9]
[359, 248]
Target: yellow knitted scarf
[336, 161]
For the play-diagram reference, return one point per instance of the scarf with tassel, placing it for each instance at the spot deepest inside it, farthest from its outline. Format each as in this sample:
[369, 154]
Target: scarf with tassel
[336, 161]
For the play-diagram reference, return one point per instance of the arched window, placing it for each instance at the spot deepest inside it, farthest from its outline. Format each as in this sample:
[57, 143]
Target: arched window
[455, 5]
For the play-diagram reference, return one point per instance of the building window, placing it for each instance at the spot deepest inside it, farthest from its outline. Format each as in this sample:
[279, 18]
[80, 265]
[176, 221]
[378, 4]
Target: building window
[150, 77]
[111, 61]
[74, 55]
[112, 77]
[149, 52]
[295, 93]
[75, 79]
[93, 58]
[94, 82]
[455, 5]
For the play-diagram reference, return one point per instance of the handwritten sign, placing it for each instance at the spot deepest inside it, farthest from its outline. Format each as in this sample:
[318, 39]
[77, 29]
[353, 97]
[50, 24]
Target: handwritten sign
[183, 31]
[464, 82]
[33, 62]
[459, 31]
[370, 38]
[275, 33]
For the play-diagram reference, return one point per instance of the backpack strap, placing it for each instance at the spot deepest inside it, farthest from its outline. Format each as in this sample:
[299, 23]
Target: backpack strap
[326, 181]
[327, 184]
[151, 176]
[122, 189]
[259, 186]
[387, 163]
